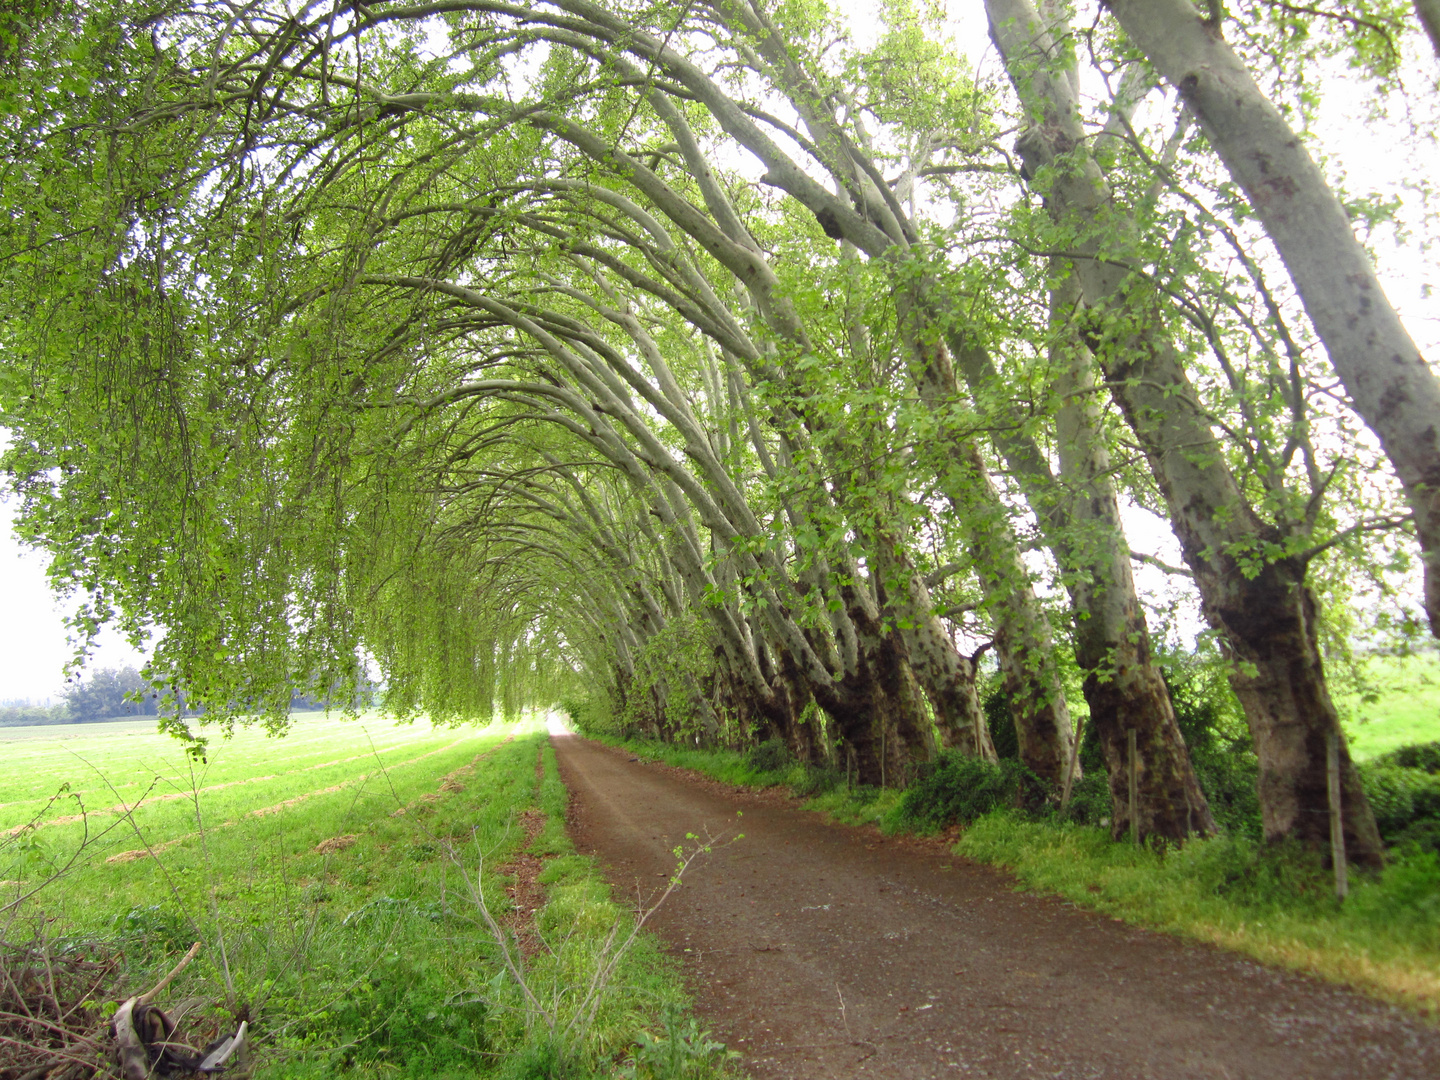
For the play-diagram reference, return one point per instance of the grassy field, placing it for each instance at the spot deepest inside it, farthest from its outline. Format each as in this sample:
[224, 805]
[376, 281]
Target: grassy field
[1402, 708]
[331, 877]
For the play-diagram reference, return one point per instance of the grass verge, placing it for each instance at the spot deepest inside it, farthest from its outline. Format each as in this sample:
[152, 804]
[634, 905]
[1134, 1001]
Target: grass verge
[345, 916]
[1274, 905]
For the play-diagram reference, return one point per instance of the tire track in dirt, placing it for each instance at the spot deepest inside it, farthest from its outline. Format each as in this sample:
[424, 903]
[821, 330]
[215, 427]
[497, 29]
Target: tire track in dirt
[822, 951]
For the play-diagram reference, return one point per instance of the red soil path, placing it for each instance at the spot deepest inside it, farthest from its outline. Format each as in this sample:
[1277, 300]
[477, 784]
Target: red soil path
[822, 951]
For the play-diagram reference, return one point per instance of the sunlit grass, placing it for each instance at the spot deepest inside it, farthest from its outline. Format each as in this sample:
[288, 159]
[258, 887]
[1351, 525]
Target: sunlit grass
[329, 876]
[1406, 709]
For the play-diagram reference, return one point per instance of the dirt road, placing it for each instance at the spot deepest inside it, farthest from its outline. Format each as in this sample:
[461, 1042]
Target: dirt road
[821, 951]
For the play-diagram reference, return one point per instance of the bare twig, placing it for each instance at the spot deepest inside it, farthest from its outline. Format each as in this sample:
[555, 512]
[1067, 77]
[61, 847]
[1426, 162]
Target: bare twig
[150, 995]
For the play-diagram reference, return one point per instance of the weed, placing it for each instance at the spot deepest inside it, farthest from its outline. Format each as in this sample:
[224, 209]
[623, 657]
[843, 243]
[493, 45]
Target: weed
[816, 780]
[1090, 799]
[684, 1051]
[958, 789]
[154, 928]
[771, 756]
[1406, 899]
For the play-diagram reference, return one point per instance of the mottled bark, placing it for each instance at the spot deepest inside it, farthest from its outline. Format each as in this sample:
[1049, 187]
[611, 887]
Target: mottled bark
[879, 710]
[1388, 381]
[1279, 676]
[1286, 704]
[1257, 605]
[947, 675]
[1122, 686]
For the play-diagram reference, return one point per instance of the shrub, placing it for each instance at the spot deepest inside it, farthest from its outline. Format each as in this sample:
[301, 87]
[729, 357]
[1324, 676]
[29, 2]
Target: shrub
[995, 704]
[1422, 756]
[1405, 801]
[772, 755]
[955, 789]
[1090, 798]
[1221, 750]
[1424, 835]
[817, 780]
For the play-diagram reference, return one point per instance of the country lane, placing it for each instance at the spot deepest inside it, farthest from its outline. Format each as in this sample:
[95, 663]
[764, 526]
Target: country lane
[823, 951]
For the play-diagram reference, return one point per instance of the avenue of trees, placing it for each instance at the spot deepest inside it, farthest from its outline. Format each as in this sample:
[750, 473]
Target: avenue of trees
[758, 381]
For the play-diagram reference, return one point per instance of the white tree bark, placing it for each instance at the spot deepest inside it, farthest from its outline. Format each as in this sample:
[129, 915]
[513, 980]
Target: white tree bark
[1389, 382]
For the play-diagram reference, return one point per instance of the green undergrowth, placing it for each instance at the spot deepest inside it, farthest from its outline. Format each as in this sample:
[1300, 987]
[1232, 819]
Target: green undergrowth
[356, 929]
[1273, 903]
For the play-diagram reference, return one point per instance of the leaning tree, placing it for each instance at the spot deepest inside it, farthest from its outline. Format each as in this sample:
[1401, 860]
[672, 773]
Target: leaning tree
[735, 369]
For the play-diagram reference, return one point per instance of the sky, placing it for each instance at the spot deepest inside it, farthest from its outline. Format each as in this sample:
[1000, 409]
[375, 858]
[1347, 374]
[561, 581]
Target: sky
[33, 642]
[33, 648]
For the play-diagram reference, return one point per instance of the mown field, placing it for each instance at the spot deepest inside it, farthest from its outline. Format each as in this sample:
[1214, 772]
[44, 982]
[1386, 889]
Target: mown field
[331, 877]
[1401, 707]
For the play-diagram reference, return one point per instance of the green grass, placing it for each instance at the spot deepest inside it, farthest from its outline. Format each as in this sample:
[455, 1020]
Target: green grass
[1277, 906]
[361, 957]
[1401, 707]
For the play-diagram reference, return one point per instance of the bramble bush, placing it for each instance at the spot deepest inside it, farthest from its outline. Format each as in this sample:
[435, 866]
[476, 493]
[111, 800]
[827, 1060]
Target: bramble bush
[955, 789]
[1403, 787]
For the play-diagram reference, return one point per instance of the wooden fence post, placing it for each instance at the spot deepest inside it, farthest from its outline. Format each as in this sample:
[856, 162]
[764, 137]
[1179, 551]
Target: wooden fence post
[1134, 786]
[1337, 822]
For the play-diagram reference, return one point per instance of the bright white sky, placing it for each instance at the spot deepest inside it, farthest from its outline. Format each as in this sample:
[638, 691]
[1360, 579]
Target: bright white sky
[33, 649]
[33, 646]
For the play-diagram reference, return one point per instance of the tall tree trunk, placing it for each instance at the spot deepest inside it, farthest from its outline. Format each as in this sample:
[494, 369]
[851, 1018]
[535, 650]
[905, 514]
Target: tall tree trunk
[879, 709]
[1388, 381]
[1212, 519]
[947, 675]
[1263, 609]
[1123, 687]
[1023, 646]
[1277, 672]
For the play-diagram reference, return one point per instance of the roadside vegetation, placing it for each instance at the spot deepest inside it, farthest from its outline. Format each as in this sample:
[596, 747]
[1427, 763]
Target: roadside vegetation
[1274, 902]
[769, 382]
[351, 888]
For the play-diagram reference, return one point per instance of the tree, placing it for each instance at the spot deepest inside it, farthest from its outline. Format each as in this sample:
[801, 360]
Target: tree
[1388, 381]
[508, 362]
[1250, 572]
[110, 692]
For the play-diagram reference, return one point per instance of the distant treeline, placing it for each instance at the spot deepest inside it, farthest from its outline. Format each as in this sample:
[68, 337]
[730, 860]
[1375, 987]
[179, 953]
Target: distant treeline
[107, 694]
